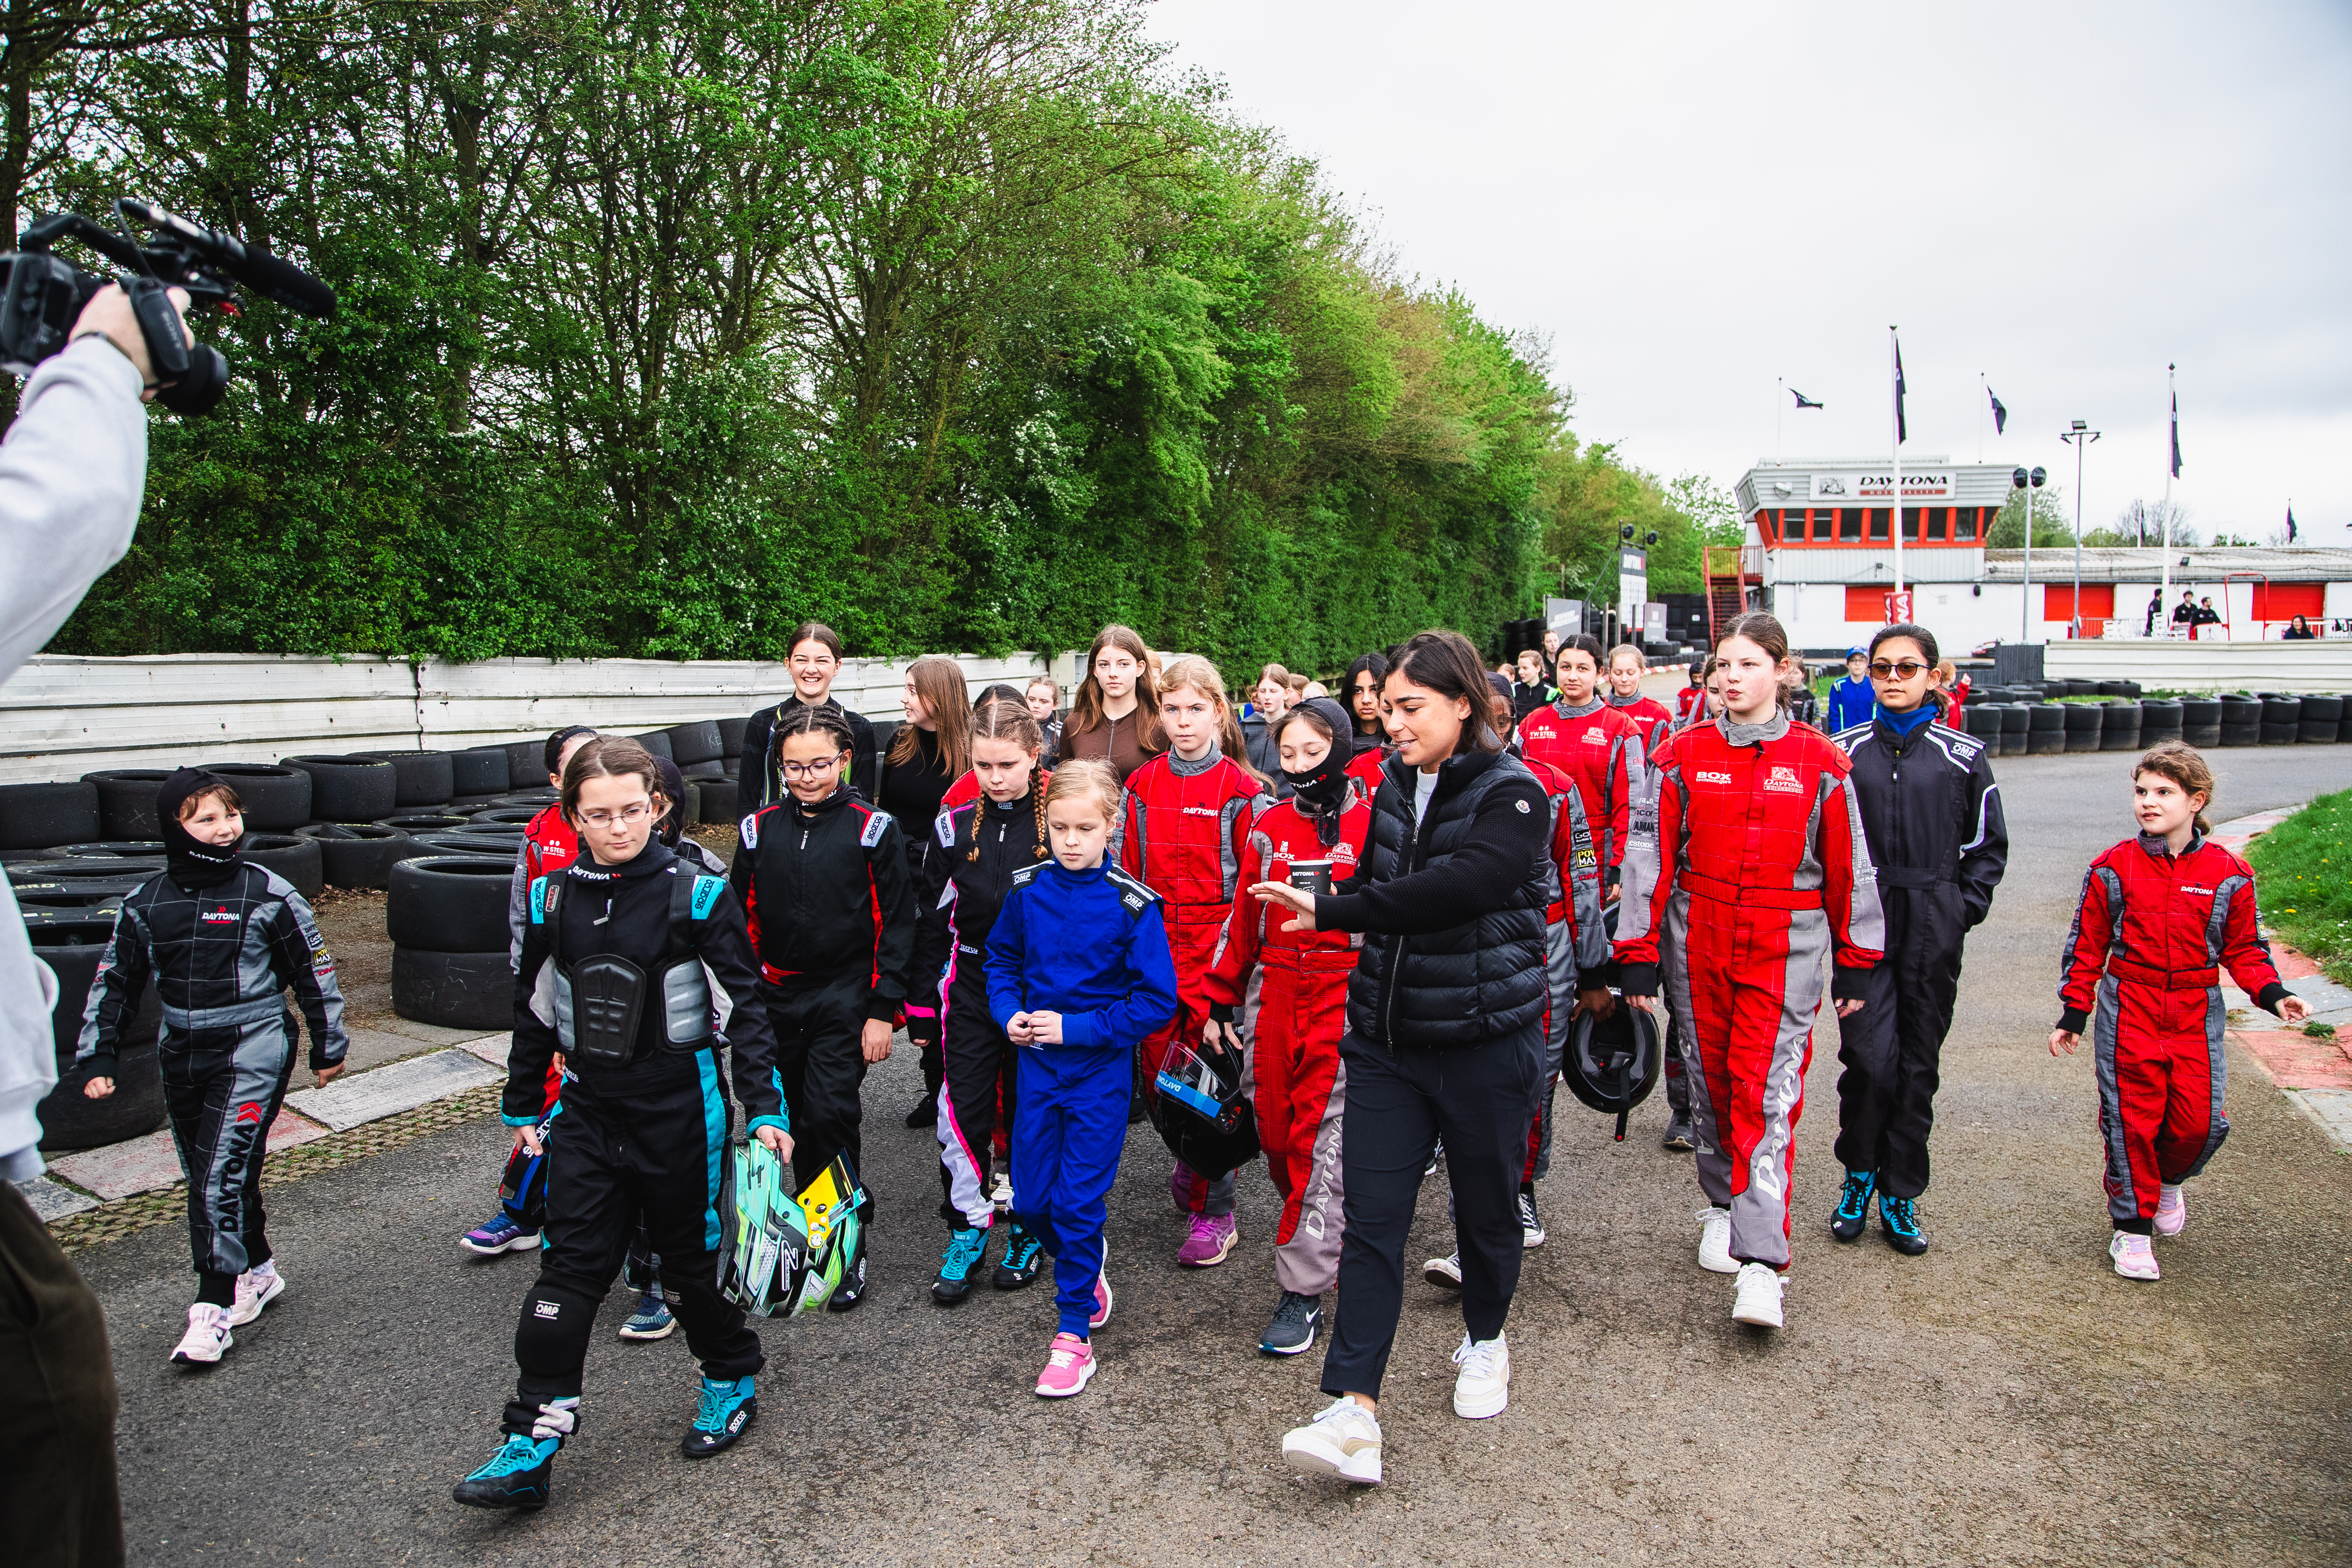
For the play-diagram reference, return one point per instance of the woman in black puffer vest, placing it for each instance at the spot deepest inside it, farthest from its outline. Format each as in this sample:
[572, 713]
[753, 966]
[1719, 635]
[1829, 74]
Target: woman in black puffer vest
[1445, 1035]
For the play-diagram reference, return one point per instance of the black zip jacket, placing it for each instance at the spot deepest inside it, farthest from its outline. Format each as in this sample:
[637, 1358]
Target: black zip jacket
[222, 958]
[960, 894]
[1931, 810]
[1452, 906]
[763, 786]
[626, 910]
[826, 891]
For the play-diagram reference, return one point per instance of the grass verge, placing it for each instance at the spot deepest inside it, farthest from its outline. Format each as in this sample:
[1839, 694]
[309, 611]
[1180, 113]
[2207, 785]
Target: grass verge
[2303, 881]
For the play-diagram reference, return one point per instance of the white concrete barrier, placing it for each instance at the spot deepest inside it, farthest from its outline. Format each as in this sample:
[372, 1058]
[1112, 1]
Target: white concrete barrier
[2323, 666]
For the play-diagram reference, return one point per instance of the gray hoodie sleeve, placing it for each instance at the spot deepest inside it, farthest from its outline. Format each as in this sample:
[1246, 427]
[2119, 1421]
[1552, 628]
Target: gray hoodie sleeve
[518, 910]
[72, 468]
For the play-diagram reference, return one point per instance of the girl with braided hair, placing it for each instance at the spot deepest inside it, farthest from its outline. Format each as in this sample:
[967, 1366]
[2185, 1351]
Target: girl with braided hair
[977, 846]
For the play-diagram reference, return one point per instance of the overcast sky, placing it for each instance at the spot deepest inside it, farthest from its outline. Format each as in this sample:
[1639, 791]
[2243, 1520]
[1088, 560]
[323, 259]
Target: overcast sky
[1690, 200]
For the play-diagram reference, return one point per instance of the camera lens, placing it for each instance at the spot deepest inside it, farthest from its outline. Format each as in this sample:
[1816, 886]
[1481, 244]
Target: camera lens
[201, 387]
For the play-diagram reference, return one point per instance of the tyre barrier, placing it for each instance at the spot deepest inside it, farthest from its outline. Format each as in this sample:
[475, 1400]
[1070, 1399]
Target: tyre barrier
[514, 815]
[720, 801]
[2344, 731]
[453, 990]
[478, 770]
[2282, 720]
[39, 816]
[111, 850]
[2159, 720]
[2320, 720]
[467, 805]
[83, 868]
[533, 798]
[423, 778]
[2046, 729]
[473, 845]
[69, 1118]
[449, 903]
[697, 743]
[2014, 729]
[348, 789]
[415, 822]
[2119, 726]
[2083, 725]
[296, 859]
[730, 736]
[714, 769]
[126, 801]
[656, 742]
[526, 763]
[355, 854]
[274, 799]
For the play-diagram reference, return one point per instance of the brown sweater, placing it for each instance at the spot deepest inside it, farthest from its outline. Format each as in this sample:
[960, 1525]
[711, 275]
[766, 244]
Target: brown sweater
[1113, 740]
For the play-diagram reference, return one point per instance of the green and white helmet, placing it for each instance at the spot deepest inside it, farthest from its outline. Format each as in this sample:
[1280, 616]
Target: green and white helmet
[763, 1243]
[832, 1210]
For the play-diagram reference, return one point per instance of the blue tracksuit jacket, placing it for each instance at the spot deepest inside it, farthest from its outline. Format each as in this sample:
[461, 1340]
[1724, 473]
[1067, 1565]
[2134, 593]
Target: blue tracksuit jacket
[1092, 946]
[1851, 701]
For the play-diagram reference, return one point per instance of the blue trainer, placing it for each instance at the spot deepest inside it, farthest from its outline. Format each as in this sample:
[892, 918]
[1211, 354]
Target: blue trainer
[959, 1263]
[1024, 1254]
[1853, 1205]
[516, 1477]
[497, 1233]
[651, 1321]
[1901, 1218]
[726, 1409]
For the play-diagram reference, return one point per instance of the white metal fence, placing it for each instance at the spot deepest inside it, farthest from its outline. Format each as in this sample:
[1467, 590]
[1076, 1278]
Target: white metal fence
[63, 717]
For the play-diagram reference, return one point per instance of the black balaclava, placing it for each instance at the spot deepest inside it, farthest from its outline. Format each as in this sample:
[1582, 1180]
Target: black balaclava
[194, 864]
[672, 788]
[1322, 793]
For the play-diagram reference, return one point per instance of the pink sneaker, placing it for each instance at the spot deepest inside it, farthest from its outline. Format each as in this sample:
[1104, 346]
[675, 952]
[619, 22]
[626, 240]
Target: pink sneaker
[1067, 1369]
[2134, 1259]
[1179, 1188]
[1211, 1242]
[2171, 1212]
[1101, 1313]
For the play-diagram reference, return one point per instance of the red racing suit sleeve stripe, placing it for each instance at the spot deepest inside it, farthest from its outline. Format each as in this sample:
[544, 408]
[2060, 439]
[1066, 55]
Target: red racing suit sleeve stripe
[2244, 953]
[2084, 958]
[1227, 981]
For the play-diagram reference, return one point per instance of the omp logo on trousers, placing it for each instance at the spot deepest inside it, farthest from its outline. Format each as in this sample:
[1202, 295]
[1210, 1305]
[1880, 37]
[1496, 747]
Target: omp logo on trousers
[546, 1308]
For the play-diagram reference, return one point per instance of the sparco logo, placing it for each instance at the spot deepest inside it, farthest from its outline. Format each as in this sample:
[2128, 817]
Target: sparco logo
[244, 1128]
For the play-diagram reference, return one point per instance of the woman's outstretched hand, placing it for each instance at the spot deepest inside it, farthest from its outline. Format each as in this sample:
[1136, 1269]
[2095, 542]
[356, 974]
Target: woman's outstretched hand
[1300, 902]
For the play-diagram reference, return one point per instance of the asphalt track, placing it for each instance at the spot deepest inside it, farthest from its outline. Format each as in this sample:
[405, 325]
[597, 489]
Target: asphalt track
[2004, 1399]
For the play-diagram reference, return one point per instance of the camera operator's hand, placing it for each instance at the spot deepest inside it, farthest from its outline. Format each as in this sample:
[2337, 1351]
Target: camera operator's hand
[109, 314]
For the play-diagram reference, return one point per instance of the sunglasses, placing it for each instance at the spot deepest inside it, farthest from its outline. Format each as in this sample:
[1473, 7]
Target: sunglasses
[1906, 670]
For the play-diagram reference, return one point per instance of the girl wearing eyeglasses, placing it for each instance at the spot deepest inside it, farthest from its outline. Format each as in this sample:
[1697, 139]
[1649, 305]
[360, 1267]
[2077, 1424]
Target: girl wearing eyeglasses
[1932, 815]
[825, 889]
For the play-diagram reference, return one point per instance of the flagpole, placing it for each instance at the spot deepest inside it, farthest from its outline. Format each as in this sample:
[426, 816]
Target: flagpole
[2172, 416]
[1779, 446]
[1895, 429]
[1985, 387]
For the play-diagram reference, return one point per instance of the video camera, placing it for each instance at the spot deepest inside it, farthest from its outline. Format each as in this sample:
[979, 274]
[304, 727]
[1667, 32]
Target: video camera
[43, 297]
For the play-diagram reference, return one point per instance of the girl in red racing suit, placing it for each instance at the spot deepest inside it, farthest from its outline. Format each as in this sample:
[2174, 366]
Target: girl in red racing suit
[1753, 870]
[1182, 831]
[1301, 1091]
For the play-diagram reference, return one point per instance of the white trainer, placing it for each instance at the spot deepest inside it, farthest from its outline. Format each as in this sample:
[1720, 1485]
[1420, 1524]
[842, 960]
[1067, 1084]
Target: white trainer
[207, 1336]
[1758, 1303]
[1000, 1193]
[1715, 1242]
[1343, 1441]
[2135, 1256]
[256, 1289]
[2171, 1212]
[1483, 1387]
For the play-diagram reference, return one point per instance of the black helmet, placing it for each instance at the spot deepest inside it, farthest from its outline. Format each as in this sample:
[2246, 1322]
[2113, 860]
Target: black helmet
[1611, 1064]
[1201, 1113]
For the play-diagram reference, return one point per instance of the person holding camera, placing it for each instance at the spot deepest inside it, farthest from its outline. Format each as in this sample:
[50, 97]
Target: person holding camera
[72, 468]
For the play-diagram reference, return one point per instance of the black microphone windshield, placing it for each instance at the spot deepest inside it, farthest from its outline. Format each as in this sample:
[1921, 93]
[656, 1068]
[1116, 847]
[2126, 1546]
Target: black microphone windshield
[284, 282]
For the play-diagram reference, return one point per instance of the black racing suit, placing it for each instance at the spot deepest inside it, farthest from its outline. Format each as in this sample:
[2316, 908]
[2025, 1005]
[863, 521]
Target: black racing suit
[759, 782]
[830, 908]
[222, 958]
[981, 845]
[1932, 815]
[649, 1135]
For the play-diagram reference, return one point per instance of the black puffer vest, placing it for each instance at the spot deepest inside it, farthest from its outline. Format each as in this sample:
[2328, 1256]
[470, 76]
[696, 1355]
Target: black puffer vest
[1469, 982]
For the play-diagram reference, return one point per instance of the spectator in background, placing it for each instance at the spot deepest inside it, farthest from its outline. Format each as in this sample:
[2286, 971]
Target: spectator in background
[1551, 649]
[1043, 697]
[2155, 608]
[1851, 699]
[2184, 615]
[2207, 616]
[2299, 630]
[1269, 700]
[1531, 691]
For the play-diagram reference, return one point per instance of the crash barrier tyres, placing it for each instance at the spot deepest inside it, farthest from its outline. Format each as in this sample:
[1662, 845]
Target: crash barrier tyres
[2032, 720]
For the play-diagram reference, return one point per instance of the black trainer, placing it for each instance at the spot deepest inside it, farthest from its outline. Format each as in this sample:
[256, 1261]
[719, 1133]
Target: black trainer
[1292, 1331]
[1024, 1256]
[727, 1410]
[1680, 1136]
[925, 1114]
[1901, 1218]
[1531, 1226]
[1853, 1205]
[852, 1288]
[516, 1477]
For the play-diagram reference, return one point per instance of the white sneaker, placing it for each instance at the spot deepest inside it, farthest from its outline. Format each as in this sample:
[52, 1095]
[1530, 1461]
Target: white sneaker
[207, 1336]
[1715, 1242]
[256, 1289]
[1483, 1387]
[1446, 1273]
[1758, 1303]
[2171, 1212]
[1001, 1193]
[1531, 1226]
[2135, 1256]
[1343, 1441]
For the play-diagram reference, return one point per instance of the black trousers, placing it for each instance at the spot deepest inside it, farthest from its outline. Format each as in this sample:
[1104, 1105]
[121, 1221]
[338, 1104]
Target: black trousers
[1479, 1098]
[823, 1068]
[58, 1488]
[1892, 1050]
[655, 1149]
[980, 1063]
[222, 1089]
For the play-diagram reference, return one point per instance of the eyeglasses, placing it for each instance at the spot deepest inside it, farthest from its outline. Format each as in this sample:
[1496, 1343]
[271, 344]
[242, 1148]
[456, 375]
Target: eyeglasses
[812, 770]
[1903, 671]
[628, 813]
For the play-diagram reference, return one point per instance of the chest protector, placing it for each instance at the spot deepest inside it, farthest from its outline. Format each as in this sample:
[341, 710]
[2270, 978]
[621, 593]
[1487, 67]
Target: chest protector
[601, 1001]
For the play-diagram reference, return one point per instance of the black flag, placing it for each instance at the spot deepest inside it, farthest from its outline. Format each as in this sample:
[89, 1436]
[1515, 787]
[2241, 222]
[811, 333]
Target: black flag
[2000, 413]
[1902, 429]
[2290, 522]
[1803, 401]
[2176, 439]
